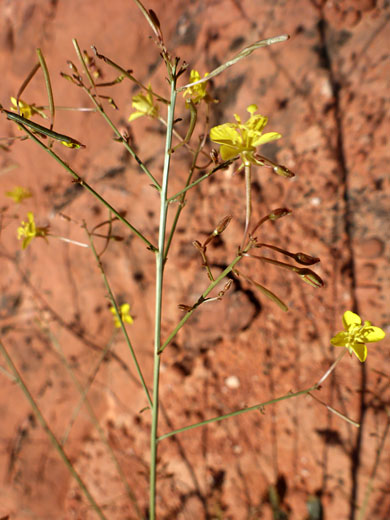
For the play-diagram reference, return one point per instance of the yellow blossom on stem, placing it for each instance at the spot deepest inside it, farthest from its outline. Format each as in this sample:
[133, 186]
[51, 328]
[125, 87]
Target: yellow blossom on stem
[28, 230]
[125, 315]
[355, 336]
[18, 194]
[25, 109]
[197, 92]
[243, 138]
[144, 105]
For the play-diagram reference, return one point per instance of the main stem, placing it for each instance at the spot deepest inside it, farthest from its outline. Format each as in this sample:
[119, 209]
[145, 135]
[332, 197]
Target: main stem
[159, 287]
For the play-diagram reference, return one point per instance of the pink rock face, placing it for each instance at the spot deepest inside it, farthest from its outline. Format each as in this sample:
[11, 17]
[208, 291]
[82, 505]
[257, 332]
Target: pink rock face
[325, 91]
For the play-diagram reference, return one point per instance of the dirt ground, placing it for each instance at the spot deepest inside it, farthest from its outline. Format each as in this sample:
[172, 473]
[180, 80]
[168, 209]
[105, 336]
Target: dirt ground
[326, 90]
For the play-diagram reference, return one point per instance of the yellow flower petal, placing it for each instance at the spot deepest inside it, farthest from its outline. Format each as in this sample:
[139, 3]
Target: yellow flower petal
[136, 115]
[340, 340]
[350, 318]
[372, 333]
[228, 152]
[223, 134]
[360, 350]
[266, 138]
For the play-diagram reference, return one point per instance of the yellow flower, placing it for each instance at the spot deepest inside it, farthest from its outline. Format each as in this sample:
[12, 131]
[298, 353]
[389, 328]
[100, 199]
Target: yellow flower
[125, 315]
[243, 138]
[18, 194]
[356, 335]
[25, 109]
[28, 230]
[197, 92]
[144, 105]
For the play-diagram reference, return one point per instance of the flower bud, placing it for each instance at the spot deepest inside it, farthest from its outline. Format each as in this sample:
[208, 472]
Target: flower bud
[222, 225]
[214, 156]
[283, 171]
[198, 245]
[303, 258]
[279, 213]
[310, 277]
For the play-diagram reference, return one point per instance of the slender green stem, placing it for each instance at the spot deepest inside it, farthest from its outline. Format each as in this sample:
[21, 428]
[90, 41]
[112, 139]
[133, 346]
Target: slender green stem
[237, 412]
[118, 313]
[336, 412]
[50, 434]
[108, 120]
[89, 380]
[182, 141]
[160, 261]
[84, 65]
[123, 140]
[90, 189]
[95, 421]
[30, 76]
[242, 54]
[200, 300]
[182, 200]
[127, 74]
[204, 177]
[332, 367]
[248, 201]
[46, 75]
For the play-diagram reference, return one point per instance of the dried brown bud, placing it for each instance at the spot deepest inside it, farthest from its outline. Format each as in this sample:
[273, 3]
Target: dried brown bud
[112, 103]
[214, 156]
[185, 308]
[303, 258]
[279, 213]
[283, 171]
[222, 225]
[69, 78]
[198, 245]
[72, 66]
[227, 286]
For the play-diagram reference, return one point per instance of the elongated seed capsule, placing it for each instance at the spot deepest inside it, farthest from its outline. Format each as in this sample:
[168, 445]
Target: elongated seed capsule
[64, 139]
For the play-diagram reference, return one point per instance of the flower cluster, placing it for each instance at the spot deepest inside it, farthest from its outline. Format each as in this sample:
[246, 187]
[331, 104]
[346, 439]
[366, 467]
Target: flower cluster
[242, 139]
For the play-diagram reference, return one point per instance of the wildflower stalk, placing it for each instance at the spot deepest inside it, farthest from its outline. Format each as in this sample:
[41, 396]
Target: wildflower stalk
[258, 406]
[246, 51]
[201, 299]
[108, 120]
[331, 368]
[50, 434]
[68, 240]
[336, 412]
[94, 419]
[46, 75]
[160, 261]
[248, 201]
[118, 313]
[199, 180]
[89, 188]
[182, 198]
